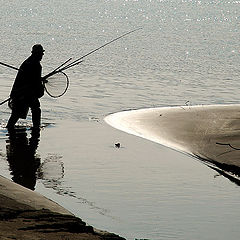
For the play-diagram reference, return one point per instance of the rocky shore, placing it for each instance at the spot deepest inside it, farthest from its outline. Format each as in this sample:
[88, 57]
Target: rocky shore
[25, 214]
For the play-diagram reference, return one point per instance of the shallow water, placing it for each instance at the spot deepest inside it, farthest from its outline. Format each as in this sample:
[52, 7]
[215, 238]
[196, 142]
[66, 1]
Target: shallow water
[186, 53]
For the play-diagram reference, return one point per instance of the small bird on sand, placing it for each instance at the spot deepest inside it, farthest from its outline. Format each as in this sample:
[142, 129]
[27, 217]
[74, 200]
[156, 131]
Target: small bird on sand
[117, 145]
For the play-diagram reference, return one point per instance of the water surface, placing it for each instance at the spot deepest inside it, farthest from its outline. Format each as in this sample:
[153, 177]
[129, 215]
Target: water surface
[187, 53]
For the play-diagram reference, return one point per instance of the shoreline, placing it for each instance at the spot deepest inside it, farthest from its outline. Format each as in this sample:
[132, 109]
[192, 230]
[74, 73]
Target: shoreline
[29, 215]
[20, 187]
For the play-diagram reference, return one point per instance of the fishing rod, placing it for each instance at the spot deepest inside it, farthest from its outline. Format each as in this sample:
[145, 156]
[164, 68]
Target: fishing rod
[56, 69]
[46, 76]
[5, 101]
[7, 65]
[104, 45]
[62, 68]
[63, 80]
[77, 61]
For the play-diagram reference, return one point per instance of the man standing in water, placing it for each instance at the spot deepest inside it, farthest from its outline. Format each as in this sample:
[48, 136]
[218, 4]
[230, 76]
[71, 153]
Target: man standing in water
[27, 89]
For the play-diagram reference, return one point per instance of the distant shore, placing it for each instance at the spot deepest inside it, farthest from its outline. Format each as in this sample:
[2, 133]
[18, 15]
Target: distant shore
[25, 214]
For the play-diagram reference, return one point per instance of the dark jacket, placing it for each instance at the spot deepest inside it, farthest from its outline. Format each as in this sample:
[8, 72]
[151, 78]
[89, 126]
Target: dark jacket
[27, 88]
[28, 84]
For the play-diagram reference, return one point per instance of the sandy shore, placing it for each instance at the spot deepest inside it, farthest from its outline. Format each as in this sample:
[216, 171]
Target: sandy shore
[25, 214]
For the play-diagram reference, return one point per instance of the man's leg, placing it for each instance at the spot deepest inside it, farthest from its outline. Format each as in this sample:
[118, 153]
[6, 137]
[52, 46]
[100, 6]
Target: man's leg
[36, 117]
[12, 120]
[36, 113]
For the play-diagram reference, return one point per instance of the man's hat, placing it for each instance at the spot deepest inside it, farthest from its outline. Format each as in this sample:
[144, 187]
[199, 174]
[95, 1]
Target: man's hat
[37, 48]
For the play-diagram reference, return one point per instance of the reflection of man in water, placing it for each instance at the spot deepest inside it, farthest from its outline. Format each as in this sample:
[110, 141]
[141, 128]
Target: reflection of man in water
[21, 155]
[27, 89]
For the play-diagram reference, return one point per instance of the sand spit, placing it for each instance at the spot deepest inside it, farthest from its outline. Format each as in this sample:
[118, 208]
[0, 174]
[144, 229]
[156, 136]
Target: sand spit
[210, 132]
[25, 214]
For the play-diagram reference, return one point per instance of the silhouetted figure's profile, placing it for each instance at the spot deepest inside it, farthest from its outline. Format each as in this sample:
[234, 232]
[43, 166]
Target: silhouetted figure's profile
[27, 89]
[22, 158]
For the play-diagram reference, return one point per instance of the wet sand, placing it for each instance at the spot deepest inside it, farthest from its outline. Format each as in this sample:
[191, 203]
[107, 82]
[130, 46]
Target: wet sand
[210, 133]
[196, 131]
[25, 214]
[94, 142]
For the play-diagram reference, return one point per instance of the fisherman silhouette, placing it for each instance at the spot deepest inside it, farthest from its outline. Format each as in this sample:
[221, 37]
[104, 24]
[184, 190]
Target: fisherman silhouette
[27, 89]
[22, 158]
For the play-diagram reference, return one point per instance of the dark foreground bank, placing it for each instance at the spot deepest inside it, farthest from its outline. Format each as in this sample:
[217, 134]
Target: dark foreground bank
[25, 214]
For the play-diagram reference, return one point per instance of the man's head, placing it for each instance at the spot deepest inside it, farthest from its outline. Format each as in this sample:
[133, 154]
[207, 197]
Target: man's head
[38, 51]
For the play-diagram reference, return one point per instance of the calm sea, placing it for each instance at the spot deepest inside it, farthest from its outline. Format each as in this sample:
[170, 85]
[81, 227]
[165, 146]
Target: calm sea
[186, 53]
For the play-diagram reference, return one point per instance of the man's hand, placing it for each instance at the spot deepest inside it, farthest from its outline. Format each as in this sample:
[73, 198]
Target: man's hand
[44, 80]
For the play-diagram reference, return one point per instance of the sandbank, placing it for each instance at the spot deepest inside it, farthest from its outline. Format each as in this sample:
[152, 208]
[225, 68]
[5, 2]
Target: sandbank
[210, 133]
